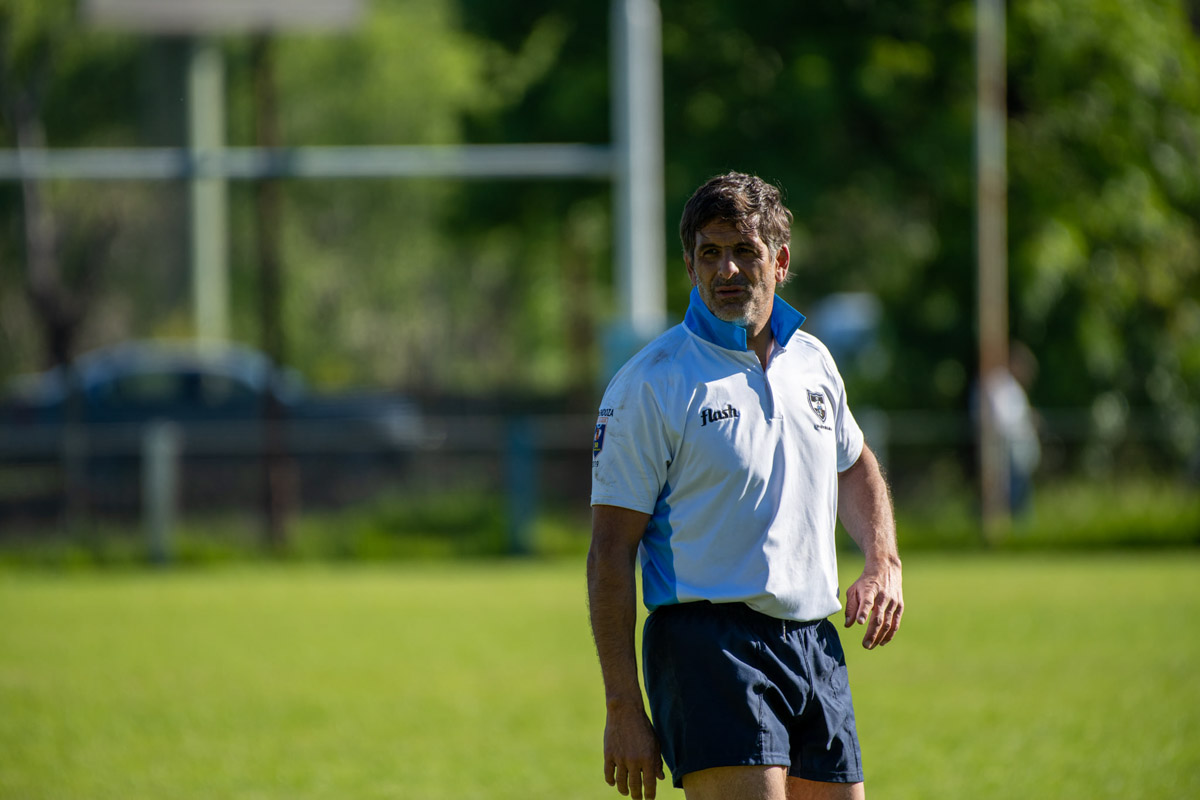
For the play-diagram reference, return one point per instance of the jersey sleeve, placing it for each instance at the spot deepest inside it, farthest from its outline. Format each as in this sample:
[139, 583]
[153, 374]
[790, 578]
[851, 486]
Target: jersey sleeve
[631, 448]
[850, 438]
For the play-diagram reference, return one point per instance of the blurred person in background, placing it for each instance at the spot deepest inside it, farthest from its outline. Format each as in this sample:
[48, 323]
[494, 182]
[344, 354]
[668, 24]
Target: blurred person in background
[1015, 420]
[724, 453]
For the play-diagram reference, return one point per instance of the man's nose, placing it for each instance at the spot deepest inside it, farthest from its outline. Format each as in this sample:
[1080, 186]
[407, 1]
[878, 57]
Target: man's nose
[728, 267]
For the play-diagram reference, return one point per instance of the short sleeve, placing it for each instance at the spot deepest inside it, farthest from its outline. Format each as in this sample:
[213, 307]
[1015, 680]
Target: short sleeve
[632, 448]
[850, 438]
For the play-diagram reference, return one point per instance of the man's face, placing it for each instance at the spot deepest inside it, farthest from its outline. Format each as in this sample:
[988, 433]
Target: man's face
[736, 274]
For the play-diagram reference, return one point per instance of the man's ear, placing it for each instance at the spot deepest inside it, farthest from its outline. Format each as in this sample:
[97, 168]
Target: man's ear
[783, 260]
[687, 259]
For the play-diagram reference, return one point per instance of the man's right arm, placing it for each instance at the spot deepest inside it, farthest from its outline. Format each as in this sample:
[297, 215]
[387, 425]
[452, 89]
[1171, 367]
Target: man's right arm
[632, 760]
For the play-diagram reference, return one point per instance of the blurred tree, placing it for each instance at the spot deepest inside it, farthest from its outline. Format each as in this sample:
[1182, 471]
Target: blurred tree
[544, 247]
[389, 281]
[62, 245]
[1105, 205]
[861, 110]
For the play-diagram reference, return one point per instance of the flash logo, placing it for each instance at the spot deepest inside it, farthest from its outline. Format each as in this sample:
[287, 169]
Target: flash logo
[712, 415]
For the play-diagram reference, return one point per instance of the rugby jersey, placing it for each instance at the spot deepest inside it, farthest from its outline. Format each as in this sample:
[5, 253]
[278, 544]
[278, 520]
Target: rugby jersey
[737, 465]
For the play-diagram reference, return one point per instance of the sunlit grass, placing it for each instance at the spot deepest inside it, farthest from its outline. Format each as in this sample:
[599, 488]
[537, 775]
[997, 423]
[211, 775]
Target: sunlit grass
[433, 682]
[1037, 676]
[1014, 676]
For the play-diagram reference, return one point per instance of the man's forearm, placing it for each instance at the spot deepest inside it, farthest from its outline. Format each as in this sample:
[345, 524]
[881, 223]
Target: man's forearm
[865, 508]
[632, 759]
[612, 605]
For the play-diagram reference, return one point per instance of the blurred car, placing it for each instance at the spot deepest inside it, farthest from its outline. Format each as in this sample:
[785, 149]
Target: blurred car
[217, 399]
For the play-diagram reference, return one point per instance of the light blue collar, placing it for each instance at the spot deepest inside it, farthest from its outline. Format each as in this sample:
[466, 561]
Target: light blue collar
[785, 321]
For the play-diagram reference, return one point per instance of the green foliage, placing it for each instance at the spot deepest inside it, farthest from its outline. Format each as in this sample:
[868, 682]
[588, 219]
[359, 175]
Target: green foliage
[367, 262]
[1134, 512]
[1138, 512]
[536, 252]
[61, 88]
[863, 114]
[31, 28]
[1105, 199]
[461, 525]
[424, 284]
[862, 111]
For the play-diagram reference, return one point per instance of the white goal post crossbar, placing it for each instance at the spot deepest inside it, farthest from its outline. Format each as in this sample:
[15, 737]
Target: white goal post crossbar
[255, 163]
[633, 163]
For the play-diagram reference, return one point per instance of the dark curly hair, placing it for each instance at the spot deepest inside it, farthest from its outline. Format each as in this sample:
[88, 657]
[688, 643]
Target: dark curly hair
[747, 202]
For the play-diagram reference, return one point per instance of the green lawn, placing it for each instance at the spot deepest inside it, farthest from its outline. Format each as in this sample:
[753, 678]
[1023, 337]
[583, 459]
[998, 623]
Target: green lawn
[1014, 676]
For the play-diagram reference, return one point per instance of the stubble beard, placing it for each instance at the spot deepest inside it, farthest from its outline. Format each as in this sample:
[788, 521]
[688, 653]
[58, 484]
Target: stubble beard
[744, 314]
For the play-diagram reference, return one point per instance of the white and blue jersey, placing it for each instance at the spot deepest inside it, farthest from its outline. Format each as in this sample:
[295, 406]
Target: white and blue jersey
[736, 464]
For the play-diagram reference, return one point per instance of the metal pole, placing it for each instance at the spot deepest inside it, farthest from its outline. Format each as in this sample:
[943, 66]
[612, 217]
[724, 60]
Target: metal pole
[161, 444]
[992, 243]
[521, 459]
[209, 194]
[638, 172]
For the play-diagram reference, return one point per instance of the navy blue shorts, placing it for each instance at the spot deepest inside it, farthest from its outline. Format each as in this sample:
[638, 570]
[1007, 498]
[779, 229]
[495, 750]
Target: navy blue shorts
[729, 686]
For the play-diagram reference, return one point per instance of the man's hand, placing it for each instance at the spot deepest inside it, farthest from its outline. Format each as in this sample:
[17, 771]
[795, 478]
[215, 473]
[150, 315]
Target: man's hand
[632, 761]
[865, 508]
[876, 595]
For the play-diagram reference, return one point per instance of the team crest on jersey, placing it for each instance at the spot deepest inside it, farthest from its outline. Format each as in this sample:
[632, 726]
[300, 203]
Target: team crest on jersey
[817, 401]
[598, 440]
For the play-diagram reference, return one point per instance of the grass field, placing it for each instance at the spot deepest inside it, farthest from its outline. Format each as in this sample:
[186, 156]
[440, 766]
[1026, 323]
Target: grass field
[1015, 676]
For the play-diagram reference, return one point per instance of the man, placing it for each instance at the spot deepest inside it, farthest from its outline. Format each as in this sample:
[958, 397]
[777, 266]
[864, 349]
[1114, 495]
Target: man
[723, 453]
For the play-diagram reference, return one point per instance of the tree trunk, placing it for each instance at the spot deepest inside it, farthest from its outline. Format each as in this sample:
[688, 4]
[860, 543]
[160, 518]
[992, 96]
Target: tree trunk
[279, 474]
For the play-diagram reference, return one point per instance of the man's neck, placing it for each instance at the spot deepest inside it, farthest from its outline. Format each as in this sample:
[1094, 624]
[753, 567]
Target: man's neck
[761, 343]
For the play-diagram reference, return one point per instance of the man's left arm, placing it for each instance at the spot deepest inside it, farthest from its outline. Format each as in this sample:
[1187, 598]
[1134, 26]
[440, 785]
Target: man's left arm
[865, 509]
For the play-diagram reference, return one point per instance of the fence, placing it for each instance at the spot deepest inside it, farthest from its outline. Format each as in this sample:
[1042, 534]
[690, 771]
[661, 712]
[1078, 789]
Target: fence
[154, 473]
